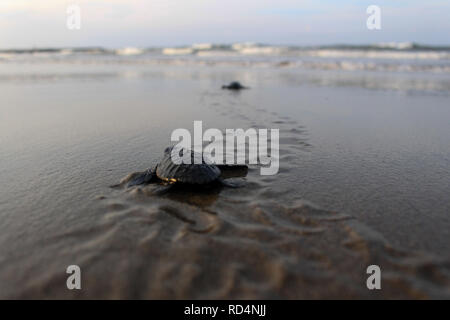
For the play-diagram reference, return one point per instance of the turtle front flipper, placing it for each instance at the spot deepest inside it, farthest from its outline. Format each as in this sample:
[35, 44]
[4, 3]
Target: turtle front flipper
[143, 178]
[137, 178]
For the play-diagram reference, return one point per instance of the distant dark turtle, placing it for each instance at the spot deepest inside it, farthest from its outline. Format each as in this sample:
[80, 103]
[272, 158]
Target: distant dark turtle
[234, 86]
[168, 173]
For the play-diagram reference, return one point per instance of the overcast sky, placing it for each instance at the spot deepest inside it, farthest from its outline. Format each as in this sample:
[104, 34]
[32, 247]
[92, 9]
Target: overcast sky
[144, 23]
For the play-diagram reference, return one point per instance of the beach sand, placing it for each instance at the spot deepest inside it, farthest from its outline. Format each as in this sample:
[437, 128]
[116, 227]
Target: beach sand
[364, 179]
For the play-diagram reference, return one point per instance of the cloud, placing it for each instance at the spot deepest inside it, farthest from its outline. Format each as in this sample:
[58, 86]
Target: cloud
[163, 22]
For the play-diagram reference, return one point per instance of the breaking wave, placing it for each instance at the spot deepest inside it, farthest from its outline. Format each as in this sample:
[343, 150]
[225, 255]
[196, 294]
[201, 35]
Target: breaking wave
[384, 57]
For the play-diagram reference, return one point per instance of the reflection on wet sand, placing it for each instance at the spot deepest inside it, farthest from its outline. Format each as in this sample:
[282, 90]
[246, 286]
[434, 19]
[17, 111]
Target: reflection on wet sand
[258, 241]
[261, 240]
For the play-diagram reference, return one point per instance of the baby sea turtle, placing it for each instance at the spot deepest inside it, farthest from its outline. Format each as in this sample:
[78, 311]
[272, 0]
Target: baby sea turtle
[168, 173]
[234, 86]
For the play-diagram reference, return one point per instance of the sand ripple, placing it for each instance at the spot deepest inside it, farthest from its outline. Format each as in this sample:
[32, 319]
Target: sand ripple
[253, 242]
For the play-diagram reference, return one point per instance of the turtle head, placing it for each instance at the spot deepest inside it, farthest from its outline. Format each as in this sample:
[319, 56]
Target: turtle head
[168, 150]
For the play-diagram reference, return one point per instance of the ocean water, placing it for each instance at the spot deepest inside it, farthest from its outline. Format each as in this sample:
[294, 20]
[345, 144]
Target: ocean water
[364, 172]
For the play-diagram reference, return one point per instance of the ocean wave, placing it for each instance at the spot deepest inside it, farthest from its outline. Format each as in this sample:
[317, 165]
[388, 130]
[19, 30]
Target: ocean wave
[374, 54]
[390, 57]
[232, 59]
[177, 51]
[31, 51]
[217, 53]
[396, 45]
[393, 50]
[202, 46]
[244, 45]
[262, 51]
[129, 51]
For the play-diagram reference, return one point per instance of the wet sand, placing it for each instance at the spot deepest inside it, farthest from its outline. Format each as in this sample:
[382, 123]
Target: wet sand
[341, 201]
